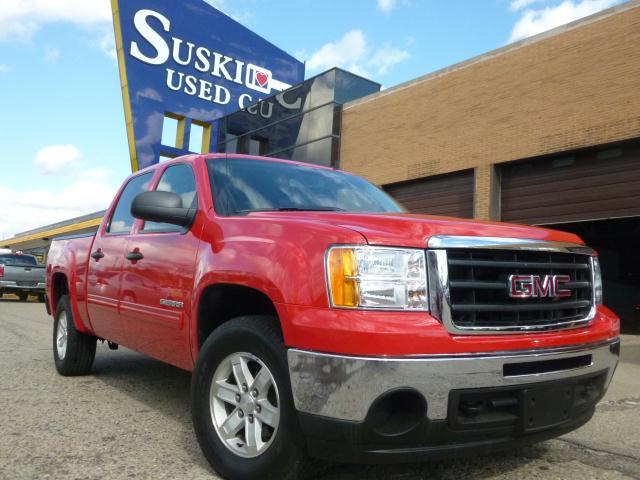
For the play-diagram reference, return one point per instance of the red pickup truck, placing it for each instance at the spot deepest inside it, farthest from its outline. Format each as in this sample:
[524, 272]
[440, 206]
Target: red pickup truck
[321, 320]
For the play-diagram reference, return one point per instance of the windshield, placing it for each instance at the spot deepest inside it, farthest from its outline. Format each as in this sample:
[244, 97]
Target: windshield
[15, 260]
[241, 186]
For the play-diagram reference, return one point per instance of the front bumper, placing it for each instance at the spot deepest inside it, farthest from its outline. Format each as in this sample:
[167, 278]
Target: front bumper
[338, 399]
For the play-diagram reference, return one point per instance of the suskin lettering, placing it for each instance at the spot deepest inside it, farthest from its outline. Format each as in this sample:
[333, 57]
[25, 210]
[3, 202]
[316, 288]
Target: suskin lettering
[204, 60]
[151, 36]
[200, 58]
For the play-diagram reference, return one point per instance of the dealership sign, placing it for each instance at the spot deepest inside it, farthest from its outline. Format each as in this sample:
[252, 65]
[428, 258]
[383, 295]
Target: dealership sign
[187, 61]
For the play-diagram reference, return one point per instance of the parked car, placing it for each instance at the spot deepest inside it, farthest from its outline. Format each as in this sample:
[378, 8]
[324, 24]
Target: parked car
[21, 275]
[319, 319]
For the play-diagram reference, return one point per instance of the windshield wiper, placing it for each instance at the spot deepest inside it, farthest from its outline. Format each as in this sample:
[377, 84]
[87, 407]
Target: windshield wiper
[293, 209]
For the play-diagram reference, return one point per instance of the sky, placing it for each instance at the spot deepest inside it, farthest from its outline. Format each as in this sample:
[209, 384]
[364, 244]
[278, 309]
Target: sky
[62, 125]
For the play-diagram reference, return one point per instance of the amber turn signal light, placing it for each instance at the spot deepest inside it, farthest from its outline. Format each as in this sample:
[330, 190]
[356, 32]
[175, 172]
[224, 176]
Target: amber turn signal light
[343, 271]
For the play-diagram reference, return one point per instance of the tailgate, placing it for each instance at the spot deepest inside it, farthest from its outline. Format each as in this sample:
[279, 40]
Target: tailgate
[28, 274]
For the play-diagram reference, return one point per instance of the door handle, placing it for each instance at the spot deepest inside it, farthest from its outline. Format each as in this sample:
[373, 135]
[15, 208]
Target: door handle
[97, 255]
[134, 256]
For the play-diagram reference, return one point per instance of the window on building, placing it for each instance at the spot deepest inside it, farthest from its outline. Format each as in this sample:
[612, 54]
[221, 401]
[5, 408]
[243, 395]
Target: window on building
[231, 143]
[195, 138]
[257, 146]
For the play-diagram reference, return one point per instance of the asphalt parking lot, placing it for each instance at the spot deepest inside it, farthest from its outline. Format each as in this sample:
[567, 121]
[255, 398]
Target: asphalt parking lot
[131, 419]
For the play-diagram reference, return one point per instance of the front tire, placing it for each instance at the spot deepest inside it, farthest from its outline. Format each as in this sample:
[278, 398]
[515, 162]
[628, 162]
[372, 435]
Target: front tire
[242, 407]
[73, 352]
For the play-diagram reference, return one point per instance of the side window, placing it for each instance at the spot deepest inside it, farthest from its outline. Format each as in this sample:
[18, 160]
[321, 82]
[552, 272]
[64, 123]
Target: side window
[122, 220]
[180, 180]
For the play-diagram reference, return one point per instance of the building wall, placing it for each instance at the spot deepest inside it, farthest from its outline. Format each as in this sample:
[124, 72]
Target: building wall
[574, 87]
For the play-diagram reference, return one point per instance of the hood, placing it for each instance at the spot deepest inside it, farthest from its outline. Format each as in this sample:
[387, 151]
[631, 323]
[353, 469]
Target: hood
[410, 230]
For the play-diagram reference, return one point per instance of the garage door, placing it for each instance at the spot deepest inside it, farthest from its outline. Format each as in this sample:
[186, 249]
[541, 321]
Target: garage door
[589, 185]
[450, 195]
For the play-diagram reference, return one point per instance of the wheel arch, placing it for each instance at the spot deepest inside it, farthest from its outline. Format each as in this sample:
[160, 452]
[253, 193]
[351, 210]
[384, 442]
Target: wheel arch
[221, 302]
[59, 287]
[62, 285]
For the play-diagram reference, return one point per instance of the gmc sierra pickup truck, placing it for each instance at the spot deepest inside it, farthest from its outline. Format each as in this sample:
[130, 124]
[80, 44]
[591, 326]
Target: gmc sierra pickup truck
[21, 275]
[319, 319]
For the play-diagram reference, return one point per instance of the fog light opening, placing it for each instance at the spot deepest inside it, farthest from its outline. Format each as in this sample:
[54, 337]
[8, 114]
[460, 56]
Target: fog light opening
[397, 412]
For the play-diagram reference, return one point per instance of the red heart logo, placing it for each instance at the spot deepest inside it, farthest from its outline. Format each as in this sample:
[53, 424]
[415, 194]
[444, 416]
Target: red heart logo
[262, 78]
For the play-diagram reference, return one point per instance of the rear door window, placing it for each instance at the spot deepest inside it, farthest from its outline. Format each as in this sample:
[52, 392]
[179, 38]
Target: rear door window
[122, 220]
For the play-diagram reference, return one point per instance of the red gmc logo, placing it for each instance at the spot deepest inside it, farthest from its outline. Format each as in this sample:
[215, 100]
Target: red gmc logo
[538, 286]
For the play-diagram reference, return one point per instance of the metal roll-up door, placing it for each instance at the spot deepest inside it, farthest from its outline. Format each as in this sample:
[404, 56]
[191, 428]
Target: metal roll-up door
[449, 195]
[588, 185]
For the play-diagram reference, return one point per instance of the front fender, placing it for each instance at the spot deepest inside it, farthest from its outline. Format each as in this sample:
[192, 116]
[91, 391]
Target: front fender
[282, 258]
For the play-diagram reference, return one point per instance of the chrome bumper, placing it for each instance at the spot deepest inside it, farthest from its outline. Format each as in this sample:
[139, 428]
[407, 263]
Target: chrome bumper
[344, 387]
[7, 284]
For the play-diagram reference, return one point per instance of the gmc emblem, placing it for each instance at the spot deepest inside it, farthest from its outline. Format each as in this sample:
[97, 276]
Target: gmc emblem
[538, 286]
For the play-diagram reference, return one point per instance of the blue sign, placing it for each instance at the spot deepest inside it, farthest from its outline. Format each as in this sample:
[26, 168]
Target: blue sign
[187, 62]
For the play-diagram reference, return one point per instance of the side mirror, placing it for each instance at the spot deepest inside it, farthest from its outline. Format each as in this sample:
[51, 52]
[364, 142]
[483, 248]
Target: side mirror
[164, 207]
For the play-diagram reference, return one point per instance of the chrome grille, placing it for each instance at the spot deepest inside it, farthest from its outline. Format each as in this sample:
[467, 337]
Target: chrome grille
[470, 288]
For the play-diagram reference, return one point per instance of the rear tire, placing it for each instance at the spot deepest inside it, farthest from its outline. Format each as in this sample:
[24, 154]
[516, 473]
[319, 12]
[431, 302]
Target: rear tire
[259, 408]
[73, 352]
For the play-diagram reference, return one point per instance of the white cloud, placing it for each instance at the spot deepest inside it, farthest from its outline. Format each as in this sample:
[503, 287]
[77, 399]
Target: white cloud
[28, 209]
[242, 16]
[386, 6]
[107, 44]
[57, 158]
[533, 22]
[354, 53]
[5, 68]
[87, 191]
[386, 57]
[346, 52]
[20, 19]
[520, 4]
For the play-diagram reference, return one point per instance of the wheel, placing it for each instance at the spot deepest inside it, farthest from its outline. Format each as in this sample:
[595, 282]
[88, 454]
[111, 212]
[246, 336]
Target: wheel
[41, 298]
[73, 352]
[242, 406]
[23, 297]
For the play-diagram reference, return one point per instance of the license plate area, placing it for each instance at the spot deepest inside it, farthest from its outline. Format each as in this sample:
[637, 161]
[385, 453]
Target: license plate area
[525, 408]
[545, 406]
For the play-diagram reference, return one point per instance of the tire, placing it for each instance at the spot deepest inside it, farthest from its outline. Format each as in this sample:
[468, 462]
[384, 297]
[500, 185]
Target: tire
[73, 352]
[23, 297]
[258, 339]
[41, 298]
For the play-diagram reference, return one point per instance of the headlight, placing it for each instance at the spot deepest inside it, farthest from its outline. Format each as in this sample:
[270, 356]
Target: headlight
[597, 280]
[377, 277]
